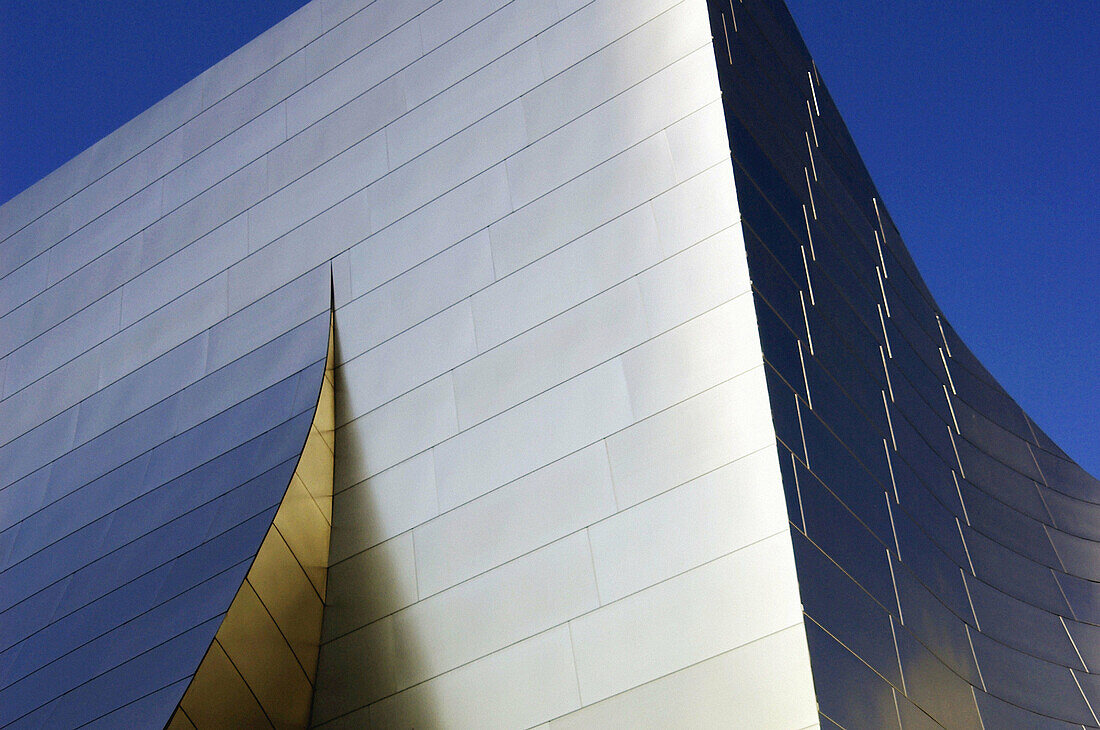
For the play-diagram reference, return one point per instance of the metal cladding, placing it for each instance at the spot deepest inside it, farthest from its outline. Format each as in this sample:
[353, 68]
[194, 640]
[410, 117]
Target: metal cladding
[125, 542]
[946, 549]
[261, 668]
[561, 360]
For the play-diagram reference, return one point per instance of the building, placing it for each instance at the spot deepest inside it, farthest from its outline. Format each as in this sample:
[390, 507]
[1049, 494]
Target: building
[596, 428]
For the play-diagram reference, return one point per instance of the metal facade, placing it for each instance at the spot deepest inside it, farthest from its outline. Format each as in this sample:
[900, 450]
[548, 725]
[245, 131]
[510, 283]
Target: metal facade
[568, 337]
[945, 552]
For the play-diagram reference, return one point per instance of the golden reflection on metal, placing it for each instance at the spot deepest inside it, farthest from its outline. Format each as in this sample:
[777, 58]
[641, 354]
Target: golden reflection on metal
[260, 670]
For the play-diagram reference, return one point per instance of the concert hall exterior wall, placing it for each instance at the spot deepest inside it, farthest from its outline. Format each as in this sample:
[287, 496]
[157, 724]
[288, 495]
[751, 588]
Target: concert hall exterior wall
[946, 548]
[557, 496]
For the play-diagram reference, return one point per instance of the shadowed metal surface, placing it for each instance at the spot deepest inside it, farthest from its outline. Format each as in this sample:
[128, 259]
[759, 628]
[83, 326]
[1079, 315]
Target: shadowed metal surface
[261, 669]
[946, 548]
[123, 553]
[552, 395]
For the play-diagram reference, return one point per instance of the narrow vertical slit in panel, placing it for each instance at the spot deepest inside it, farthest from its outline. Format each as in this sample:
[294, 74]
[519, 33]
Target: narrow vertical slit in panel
[966, 550]
[890, 466]
[894, 581]
[810, 151]
[1031, 428]
[806, 319]
[813, 65]
[974, 654]
[882, 290]
[889, 421]
[814, 93]
[805, 379]
[809, 236]
[943, 336]
[1039, 491]
[733, 17]
[1053, 547]
[894, 692]
[729, 52]
[955, 448]
[882, 229]
[813, 127]
[978, 710]
[886, 370]
[951, 408]
[810, 192]
[881, 258]
[885, 334]
[966, 587]
[1036, 462]
[809, 284]
[802, 432]
[962, 502]
[798, 493]
[1074, 643]
[948, 371]
[1083, 695]
[897, 655]
[1054, 577]
[893, 528]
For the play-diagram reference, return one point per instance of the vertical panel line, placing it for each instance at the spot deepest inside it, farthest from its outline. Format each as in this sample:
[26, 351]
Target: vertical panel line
[894, 580]
[810, 192]
[1084, 696]
[956, 450]
[890, 465]
[1074, 643]
[802, 432]
[810, 151]
[947, 370]
[729, 52]
[962, 502]
[966, 550]
[970, 600]
[974, 654]
[806, 318]
[882, 290]
[809, 235]
[885, 334]
[886, 371]
[881, 258]
[805, 379]
[951, 408]
[889, 422]
[798, 493]
[897, 656]
[943, 336]
[893, 528]
[809, 283]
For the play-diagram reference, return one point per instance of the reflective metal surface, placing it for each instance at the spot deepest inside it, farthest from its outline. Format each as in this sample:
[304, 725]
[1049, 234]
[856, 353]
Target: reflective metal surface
[124, 552]
[946, 549]
[261, 668]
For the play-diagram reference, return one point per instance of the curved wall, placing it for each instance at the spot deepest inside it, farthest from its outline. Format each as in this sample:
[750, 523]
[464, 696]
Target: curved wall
[946, 549]
[557, 495]
[125, 543]
[261, 668]
[547, 363]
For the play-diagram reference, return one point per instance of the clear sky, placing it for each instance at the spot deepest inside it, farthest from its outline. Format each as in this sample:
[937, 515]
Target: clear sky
[979, 122]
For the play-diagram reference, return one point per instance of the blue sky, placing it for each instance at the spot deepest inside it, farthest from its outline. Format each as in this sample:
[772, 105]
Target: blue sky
[980, 125]
[979, 122]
